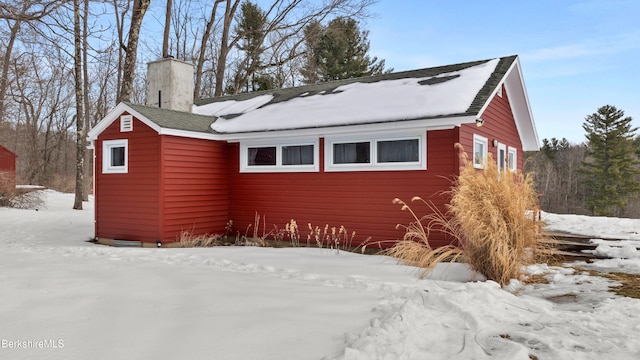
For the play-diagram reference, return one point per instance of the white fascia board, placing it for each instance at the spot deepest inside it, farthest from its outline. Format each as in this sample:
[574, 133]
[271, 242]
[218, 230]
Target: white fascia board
[189, 134]
[519, 100]
[517, 93]
[425, 124]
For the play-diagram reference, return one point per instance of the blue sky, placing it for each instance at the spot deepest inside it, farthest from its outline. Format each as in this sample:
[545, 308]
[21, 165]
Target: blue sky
[576, 56]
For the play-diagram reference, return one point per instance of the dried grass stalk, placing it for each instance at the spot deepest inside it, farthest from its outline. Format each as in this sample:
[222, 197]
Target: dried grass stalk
[187, 239]
[487, 217]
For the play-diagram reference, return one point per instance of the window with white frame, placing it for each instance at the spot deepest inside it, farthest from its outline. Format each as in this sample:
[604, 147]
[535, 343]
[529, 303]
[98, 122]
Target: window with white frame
[403, 152]
[115, 154]
[501, 158]
[275, 157]
[480, 151]
[512, 160]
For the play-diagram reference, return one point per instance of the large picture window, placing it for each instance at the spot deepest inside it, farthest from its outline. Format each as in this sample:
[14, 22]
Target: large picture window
[376, 153]
[277, 157]
[115, 154]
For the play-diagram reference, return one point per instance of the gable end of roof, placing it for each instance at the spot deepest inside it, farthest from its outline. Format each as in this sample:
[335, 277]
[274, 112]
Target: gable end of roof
[492, 83]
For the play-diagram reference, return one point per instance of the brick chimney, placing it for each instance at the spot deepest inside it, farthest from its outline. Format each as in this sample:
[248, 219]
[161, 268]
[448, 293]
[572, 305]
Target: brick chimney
[170, 84]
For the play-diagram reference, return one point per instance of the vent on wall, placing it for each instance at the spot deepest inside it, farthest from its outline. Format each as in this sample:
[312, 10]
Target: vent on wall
[126, 123]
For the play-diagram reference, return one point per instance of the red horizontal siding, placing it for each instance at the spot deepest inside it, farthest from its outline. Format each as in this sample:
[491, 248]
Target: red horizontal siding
[8, 166]
[195, 186]
[127, 205]
[498, 124]
[361, 201]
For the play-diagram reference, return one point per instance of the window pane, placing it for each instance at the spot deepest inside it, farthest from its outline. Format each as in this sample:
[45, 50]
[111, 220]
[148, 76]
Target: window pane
[263, 156]
[297, 155]
[501, 159]
[117, 156]
[478, 153]
[398, 151]
[512, 159]
[351, 153]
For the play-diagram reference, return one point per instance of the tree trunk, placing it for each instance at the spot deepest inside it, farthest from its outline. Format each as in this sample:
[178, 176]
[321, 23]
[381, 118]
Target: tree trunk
[80, 141]
[224, 46]
[167, 28]
[128, 70]
[203, 49]
[5, 67]
[86, 171]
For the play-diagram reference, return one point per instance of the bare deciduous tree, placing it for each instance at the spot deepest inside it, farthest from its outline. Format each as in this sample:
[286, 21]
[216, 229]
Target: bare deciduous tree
[131, 51]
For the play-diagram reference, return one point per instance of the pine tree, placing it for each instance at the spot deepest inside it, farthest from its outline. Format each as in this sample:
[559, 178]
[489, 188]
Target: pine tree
[338, 51]
[251, 29]
[612, 165]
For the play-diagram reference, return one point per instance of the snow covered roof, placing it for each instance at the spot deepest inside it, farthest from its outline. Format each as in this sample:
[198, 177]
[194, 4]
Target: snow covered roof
[443, 96]
[445, 91]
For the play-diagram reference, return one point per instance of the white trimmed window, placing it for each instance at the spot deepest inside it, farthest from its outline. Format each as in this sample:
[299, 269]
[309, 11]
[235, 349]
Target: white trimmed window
[512, 159]
[404, 152]
[115, 154]
[279, 157]
[126, 123]
[501, 158]
[480, 151]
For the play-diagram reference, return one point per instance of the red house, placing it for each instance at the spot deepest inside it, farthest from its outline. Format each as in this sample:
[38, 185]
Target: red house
[334, 153]
[7, 168]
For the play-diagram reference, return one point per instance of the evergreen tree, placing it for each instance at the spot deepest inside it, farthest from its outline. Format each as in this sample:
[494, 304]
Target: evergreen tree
[338, 51]
[612, 165]
[251, 29]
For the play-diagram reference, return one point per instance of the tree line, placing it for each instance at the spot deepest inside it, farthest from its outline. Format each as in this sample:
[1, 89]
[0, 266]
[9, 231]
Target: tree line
[600, 176]
[64, 64]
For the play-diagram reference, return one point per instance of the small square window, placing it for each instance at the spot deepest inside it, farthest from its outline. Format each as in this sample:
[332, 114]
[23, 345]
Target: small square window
[115, 156]
[352, 153]
[480, 149]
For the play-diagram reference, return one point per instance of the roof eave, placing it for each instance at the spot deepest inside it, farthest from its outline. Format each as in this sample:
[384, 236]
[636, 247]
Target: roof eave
[426, 124]
[123, 107]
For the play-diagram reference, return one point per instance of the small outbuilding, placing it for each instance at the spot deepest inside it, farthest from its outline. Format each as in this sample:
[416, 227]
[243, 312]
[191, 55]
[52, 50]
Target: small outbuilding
[334, 153]
[7, 168]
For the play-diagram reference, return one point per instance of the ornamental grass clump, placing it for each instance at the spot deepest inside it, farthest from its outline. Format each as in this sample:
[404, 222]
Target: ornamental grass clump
[488, 218]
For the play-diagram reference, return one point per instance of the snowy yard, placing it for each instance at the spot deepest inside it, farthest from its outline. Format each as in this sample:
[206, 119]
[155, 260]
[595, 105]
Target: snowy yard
[62, 297]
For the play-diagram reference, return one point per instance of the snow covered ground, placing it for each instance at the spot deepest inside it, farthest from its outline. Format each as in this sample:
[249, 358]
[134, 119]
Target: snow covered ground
[62, 297]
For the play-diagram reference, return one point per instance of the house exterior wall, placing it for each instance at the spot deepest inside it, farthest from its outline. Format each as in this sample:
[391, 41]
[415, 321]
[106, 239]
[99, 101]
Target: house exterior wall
[127, 206]
[359, 200]
[499, 124]
[8, 166]
[194, 182]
